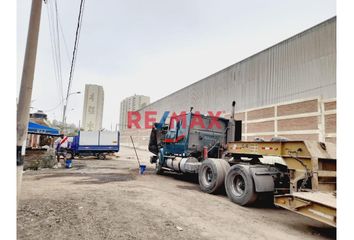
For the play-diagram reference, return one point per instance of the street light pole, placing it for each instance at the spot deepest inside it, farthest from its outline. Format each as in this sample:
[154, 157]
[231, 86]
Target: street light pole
[25, 96]
[65, 106]
[64, 111]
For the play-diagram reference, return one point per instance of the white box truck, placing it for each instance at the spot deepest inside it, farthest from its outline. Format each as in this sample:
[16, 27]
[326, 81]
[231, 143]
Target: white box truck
[93, 143]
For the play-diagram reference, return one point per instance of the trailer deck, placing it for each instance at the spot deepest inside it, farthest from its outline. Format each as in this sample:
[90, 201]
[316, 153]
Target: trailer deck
[306, 161]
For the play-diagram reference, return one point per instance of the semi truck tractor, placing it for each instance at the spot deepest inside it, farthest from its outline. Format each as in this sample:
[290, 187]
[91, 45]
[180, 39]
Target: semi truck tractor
[298, 175]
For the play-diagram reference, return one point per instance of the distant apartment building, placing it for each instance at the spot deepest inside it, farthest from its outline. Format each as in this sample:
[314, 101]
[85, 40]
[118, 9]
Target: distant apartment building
[132, 103]
[93, 108]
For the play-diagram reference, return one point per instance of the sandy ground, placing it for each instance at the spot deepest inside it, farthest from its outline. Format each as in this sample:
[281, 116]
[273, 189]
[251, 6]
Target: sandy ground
[108, 199]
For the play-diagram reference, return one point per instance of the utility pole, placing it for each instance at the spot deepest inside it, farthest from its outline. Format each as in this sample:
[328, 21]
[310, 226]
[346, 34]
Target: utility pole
[25, 96]
[64, 113]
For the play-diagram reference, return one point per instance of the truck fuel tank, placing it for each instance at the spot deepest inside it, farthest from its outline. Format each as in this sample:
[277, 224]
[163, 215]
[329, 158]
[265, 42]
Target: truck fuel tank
[184, 165]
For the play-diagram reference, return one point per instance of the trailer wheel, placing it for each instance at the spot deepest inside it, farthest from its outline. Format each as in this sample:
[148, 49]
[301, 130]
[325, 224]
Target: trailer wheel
[101, 156]
[239, 185]
[211, 175]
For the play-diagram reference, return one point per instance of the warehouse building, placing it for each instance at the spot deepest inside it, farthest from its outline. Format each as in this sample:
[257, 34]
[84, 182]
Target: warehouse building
[287, 90]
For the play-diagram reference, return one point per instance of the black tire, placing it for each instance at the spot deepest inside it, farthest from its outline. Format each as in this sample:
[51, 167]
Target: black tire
[239, 185]
[211, 175]
[69, 155]
[101, 156]
[158, 167]
[226, 166]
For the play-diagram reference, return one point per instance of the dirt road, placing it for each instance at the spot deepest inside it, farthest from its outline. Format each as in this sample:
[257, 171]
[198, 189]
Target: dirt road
[108, 199]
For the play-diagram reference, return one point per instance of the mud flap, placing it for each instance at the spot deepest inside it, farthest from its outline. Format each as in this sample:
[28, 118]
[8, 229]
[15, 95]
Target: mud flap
[153, 159]
[263, 179]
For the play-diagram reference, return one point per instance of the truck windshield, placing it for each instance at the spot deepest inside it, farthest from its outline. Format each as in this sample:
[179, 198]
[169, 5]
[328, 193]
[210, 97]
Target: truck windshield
[173, 125]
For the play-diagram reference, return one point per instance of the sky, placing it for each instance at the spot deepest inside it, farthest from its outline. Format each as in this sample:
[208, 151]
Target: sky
[155, 47]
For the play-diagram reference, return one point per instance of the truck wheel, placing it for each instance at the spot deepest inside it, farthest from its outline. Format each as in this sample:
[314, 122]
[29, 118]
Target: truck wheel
[239, 185]
[69, 155]
[226, 166]
[211, 175]
[102, 156]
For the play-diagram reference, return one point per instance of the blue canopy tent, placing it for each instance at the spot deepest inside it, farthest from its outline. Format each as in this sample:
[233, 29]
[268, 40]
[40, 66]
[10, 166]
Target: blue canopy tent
[35, 128]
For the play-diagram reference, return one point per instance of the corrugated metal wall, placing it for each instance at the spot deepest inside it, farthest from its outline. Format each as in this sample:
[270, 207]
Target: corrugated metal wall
[302, 66]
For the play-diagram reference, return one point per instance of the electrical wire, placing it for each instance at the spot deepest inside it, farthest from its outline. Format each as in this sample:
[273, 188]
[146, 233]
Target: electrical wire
[64, 40]
[58, 49]
[52, 44]
[54, 108]
[53, 13]
[76, 45]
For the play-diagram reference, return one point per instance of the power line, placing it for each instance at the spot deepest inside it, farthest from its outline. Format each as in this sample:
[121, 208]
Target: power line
[58, 49]
[76, 44]
[54, 108]
[64, 40]
[55, 45]
[54, 58]
[73, 61]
